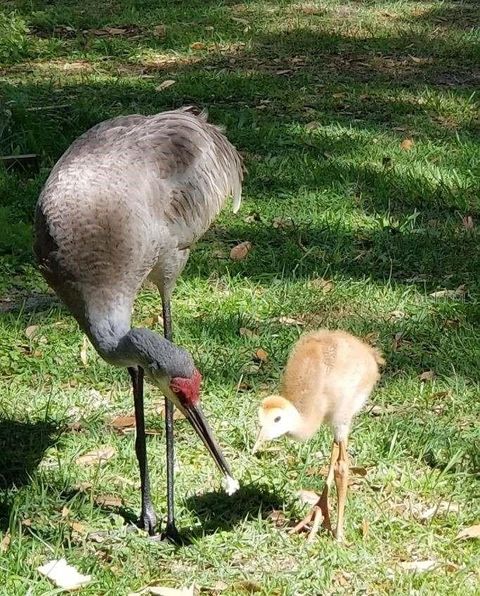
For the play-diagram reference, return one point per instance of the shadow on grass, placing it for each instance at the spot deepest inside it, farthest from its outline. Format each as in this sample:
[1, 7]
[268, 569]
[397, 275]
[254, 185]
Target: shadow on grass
[22, 445]
[219, 511]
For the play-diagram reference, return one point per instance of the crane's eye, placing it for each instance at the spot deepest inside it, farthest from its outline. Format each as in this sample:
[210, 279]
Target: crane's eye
[277, 419]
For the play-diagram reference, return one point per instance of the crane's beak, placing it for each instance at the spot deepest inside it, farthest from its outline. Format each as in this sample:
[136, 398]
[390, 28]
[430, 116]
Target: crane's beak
[195, 416]
[260, 441]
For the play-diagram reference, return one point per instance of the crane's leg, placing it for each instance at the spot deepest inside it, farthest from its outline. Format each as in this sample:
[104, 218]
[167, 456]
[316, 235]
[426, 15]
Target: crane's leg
[171, 532]
[341, 482]
[320, 511]
[148, 519]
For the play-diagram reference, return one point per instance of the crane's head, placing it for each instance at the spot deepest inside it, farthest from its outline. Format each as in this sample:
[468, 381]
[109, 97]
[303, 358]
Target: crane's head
[172, 369]
[277, 417]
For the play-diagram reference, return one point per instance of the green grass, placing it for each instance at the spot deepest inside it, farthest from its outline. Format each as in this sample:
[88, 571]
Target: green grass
[318, 96]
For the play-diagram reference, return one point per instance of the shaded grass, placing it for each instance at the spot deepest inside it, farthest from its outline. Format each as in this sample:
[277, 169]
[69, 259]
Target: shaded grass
[318, 96]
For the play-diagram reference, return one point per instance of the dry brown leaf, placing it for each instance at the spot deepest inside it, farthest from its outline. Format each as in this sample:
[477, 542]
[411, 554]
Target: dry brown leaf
[358, 471]
[342, 578]
[460, 292]
[396, 315]
[365, 527]
[65, 512]
[378, 410]
[312, 125]
[252, 217]
[77, 527]
[31, 331]
[287, 321]
[239, 252]
[418, 566]
[277, 517]
[468, 223]
[415, 59]
[160, 31]
[123, 422]
[427, 375]
[245, 332]
[282, 222]
[165, 84]
[326, 285]
[108, 501]
[83, 351]
[97, 456]
[83, 487]
[27, 522]
[467, 533]
[372, 338]
[5, 542]
[261, 355]
[63, 575]
[407, 144]
[247, 586]
[197, 45]
[444, 507]
[166, 591]
[308, 496]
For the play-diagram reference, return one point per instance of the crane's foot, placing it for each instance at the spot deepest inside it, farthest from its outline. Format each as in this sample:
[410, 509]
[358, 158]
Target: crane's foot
[148, 521]
[318, 515]
[171, 534]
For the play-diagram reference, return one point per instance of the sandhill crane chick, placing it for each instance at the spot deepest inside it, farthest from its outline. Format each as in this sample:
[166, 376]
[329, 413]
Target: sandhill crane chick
[328, 378]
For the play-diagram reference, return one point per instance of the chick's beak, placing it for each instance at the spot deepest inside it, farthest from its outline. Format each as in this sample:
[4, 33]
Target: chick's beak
[259, 442]
[194, 415]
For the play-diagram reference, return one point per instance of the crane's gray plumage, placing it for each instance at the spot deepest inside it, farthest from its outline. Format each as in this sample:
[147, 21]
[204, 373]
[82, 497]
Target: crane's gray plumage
[127, 200]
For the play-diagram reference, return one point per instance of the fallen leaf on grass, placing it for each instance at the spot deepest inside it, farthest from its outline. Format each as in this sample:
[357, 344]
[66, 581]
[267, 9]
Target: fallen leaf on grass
[439, 509]
[312, 125]
[282, 223]
[165, 84]
[160, 31]
[365, 527]
[77, 527]
[358, 471]
[287, 321]
[98, 456]
[246, 586]
[308, 497]
[418, 566]
[252, 217]
[109, 31]
[468, 223]
[63, 575]
[326, 285]
[407, 144]
[5, 543]
[165, 591]
[460, 292]
[31, 331]
[427, 375]
[239, 252]
[245, 332]
[467, 533]
[123, 422]
[197, 45]
[277, 517]
[108, 501]
[378, 410]
[261, 355]
[83, 351]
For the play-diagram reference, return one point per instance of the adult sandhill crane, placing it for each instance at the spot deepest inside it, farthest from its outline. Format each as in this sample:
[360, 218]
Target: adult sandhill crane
[328, 378]
[126, 201]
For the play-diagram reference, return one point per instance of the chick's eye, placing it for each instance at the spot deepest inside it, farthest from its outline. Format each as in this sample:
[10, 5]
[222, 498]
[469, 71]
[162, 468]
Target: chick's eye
[277, 419]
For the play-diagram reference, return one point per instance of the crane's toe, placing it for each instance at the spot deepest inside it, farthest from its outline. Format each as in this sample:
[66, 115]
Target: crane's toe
[148, 521]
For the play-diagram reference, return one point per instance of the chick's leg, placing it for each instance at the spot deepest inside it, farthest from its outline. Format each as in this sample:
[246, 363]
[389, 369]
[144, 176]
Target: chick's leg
[320, 511]
[341, 482]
